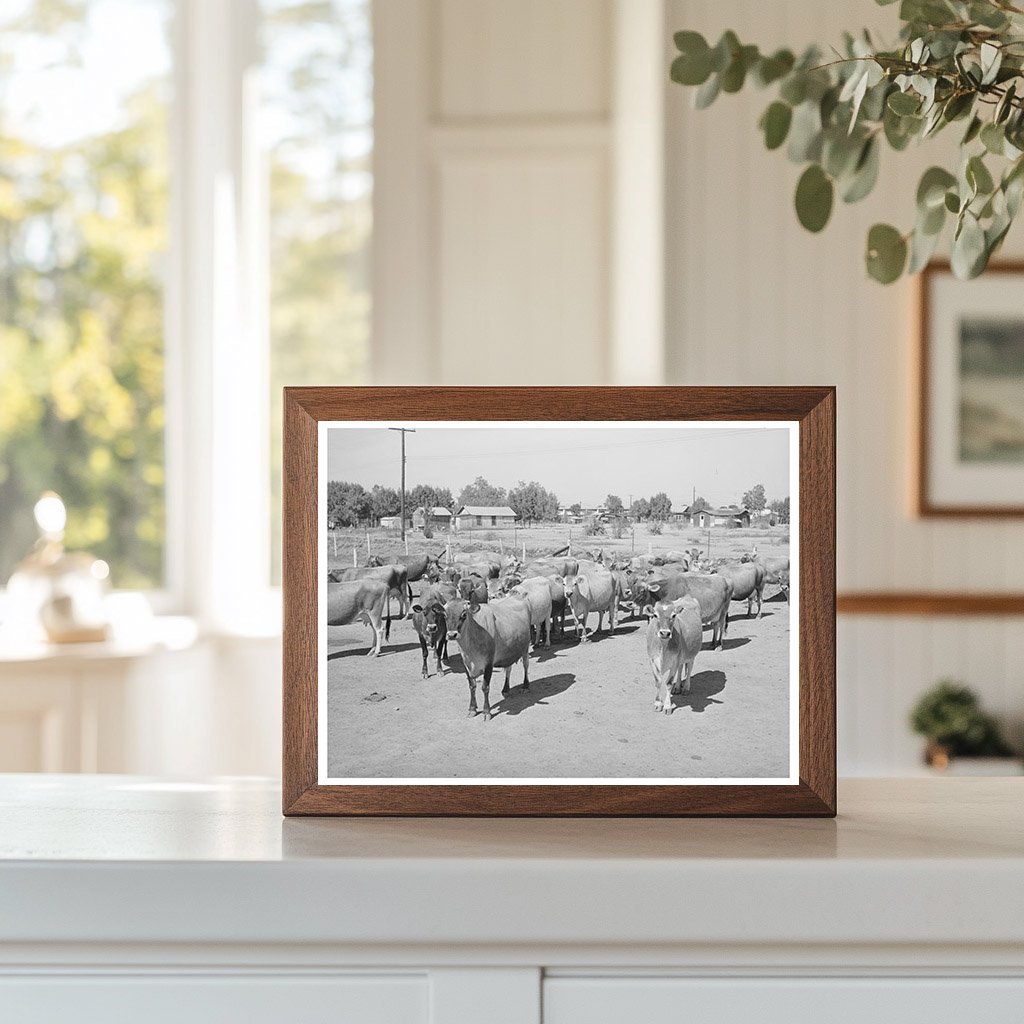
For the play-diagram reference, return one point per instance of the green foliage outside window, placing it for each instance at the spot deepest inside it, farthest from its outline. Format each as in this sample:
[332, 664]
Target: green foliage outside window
[83, 232]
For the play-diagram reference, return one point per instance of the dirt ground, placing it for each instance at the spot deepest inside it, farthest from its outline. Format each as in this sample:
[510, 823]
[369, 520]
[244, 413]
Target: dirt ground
[588, 711]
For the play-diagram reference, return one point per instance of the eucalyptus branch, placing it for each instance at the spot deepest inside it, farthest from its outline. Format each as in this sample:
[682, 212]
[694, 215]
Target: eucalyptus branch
[955, 61]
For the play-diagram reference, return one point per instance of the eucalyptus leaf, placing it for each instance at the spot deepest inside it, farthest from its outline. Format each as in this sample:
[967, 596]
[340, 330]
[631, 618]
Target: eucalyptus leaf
[886, 253]
[865, 173]
[771, 69]
[978, 176]
[922, 248]
[707, 93]
[904, 103]
[805, 133]
[968, 248]
[775, 124]
[993, 138]
[931, 190]
[814, 195]
[973, 130]
[794, 88]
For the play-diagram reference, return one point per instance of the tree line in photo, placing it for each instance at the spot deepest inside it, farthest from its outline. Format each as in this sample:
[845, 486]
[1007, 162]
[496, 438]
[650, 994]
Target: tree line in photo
[351, 504]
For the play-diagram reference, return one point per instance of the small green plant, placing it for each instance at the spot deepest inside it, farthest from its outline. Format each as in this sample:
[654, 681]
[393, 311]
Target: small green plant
[594, 529]
[950, 717]
[655, 528]
[956, 61]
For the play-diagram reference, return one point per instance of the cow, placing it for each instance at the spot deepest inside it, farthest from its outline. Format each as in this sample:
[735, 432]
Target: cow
[366, 601]
[624, 585]
[473, 588]
[776, 569]
[555, 565]
[674, 637]
[747, 580]
[394, 575]
[591, 590]
[490, 636]
[536, 591]
[677, 557]
[713, 593]
[429, 622]
[488, 570]
[417, 565]
[555, 588]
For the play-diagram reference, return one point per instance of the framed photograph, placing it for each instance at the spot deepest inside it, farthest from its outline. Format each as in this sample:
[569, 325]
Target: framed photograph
[970, 445]
[559, 601]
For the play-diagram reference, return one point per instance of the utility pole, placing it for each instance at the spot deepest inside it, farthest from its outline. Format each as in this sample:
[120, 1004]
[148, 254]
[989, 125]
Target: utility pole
[403, 431]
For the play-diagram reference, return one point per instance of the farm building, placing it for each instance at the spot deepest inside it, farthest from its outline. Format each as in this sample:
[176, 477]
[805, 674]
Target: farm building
[708, 517]
[484, 515]
[392, 522]
[435, 517]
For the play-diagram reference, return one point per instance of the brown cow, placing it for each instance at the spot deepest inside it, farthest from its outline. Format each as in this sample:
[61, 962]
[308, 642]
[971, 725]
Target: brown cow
[674, 637]
[490, 636]
[429, 622]
[395, 576]
[747, 580]
[361, 601]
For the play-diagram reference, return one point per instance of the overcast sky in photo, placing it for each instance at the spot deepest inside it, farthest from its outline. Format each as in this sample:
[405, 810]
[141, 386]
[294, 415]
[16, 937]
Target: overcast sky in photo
[577, 464]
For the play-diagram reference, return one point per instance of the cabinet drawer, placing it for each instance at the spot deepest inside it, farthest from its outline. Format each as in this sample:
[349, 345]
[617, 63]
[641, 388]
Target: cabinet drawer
[660, 1000]
[202, 999]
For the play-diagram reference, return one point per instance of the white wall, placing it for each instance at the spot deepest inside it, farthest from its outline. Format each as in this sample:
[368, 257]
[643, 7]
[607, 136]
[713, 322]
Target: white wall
[754, 299]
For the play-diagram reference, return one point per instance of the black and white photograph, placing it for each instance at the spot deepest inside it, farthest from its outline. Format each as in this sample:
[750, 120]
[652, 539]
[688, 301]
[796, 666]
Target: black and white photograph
[535, 603]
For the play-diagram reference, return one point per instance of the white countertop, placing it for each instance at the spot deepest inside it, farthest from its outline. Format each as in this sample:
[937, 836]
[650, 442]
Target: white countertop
[120, 859]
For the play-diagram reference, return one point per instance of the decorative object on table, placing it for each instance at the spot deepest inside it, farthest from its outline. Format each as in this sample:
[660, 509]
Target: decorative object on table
[970, 445]
[950, 717]
[583, 633]
[56, 593]
[957, 63]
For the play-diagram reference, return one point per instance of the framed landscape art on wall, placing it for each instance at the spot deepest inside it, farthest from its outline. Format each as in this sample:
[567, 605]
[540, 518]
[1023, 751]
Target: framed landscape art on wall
[559, 601]
[970, 445]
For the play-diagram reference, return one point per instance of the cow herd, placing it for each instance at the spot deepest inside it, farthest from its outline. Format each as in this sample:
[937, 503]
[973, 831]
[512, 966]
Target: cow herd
[496, 608]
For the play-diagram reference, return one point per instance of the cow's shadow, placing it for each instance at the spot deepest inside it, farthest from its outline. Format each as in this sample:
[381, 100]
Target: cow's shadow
[519, 699]
[703, 687]
[731, 643]
[360, 651]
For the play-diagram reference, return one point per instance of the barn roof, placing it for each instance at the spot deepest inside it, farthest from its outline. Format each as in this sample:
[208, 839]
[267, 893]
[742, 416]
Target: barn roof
[486, 510]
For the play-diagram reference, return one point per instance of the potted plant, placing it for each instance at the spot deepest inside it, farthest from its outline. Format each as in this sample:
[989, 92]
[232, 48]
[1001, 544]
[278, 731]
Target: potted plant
[950, 718]
[956, 62]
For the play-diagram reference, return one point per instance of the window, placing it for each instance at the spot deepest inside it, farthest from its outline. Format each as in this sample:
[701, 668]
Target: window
[250, 191]
[83, 236]
[317, 119]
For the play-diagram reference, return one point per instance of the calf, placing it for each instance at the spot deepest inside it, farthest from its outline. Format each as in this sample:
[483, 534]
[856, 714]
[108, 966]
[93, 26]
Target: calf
[490, 636]
[674, 637]
[593, 590]
[747, 580]
[536, 592]
[429, 622]
[361, 601]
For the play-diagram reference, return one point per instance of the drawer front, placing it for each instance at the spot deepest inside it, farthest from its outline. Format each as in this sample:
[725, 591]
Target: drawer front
[782, 1000]
[202, 999]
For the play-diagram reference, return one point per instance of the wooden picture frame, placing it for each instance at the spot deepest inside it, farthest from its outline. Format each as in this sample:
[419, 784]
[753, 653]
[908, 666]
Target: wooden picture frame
[810, 411]
[926, 504]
